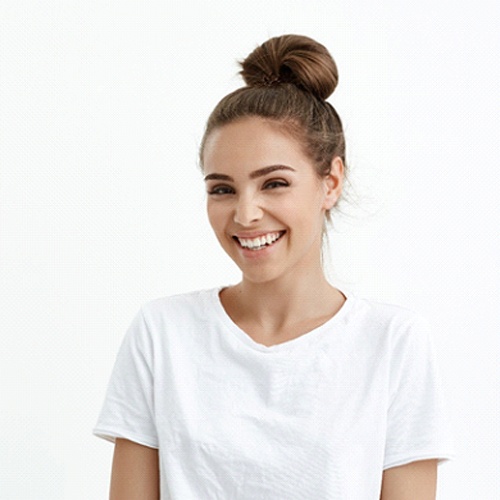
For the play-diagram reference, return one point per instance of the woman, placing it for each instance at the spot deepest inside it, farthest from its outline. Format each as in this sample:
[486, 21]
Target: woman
[281, 386]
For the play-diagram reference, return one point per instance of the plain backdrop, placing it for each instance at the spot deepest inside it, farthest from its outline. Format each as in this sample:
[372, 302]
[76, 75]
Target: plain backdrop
[102, 204]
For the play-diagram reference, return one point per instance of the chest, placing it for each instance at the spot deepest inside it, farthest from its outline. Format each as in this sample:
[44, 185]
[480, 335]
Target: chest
[299, 399]
[296, 427]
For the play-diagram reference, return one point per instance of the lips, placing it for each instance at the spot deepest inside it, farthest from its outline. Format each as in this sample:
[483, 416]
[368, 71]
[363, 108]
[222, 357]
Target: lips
[257, 242]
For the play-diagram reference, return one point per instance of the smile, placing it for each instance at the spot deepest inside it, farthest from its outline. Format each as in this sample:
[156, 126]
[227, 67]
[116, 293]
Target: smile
[260, 242]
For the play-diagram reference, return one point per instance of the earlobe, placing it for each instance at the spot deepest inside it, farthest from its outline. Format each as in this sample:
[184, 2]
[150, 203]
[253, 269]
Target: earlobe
[329, 201]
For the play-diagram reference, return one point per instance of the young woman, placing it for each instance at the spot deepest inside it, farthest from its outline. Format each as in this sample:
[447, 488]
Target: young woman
[281, 386]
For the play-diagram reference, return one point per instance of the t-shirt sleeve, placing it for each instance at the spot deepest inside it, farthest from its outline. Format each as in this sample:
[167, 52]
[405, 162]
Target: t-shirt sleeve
[128, 409]
[418, 424]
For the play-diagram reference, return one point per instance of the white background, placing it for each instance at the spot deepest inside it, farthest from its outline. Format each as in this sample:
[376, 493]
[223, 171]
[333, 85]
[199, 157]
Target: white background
[102, 106]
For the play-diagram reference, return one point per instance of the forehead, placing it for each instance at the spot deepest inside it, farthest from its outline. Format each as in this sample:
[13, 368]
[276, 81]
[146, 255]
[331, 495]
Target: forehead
[251, 143]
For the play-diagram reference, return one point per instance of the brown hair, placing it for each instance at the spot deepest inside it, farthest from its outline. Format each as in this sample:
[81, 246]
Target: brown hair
[288, 81]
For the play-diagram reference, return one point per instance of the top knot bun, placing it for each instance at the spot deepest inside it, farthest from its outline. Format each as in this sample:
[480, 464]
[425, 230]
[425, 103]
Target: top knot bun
[292, 59]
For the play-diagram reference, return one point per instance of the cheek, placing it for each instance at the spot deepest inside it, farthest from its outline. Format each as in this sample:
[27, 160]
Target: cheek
[212, 219]
[302, 209]
[216, 215]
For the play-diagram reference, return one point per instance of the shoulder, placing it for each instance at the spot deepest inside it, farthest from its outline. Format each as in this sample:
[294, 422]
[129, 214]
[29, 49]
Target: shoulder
[384, 313]
[392, 322]
[183, 307]
[157, 322]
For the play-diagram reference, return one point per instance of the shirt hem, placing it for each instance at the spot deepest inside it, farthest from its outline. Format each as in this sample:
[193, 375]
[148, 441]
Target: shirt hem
[112, 434]
[403, 460]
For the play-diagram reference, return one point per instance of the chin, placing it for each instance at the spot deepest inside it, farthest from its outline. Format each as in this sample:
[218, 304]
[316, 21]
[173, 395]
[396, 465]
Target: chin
[261, 276]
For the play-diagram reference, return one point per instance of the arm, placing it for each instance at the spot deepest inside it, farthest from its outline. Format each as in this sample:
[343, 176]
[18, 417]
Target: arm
[135, 472]
[413, 481]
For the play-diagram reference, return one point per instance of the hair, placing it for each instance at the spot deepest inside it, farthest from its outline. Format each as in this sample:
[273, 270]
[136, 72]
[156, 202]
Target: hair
[288, 79]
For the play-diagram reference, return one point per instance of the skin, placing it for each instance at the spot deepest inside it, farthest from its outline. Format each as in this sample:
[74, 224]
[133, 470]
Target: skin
[283, 292]
[135, 472]
[413, 481]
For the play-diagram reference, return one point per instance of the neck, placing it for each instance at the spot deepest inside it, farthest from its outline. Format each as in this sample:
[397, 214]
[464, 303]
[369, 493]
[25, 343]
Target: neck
[291, 299]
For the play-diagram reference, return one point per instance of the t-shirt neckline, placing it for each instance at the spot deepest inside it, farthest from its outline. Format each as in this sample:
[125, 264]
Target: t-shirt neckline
[302, 341]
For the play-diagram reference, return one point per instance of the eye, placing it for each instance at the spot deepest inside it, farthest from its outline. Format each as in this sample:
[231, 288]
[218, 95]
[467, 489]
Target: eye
[220, 190]
[275, 183]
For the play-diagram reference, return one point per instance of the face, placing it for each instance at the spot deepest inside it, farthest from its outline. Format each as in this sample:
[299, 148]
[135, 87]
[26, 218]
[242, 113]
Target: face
[265, 202]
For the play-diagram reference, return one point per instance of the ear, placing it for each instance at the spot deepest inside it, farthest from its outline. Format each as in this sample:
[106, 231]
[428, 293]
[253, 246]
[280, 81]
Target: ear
[333, 183]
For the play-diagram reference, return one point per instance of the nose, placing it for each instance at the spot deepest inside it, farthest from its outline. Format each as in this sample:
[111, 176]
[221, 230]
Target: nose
[247, 211]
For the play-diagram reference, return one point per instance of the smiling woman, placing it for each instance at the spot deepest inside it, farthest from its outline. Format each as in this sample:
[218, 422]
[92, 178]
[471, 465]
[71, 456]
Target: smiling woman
[266, 204]
[281, 385]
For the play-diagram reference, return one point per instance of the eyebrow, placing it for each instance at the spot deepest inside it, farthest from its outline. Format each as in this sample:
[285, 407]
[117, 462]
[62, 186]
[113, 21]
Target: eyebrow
[253, 175]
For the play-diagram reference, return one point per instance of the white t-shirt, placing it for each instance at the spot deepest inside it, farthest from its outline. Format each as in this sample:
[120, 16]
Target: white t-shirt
[317, 417]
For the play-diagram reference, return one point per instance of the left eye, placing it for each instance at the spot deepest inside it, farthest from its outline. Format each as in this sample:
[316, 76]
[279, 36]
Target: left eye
[275, 184]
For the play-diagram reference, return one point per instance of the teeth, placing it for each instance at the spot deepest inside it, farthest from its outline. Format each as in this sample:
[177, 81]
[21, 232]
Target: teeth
[257, 243]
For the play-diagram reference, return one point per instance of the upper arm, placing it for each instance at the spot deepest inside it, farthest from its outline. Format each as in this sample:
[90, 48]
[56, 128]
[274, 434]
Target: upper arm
[413, 481]
[135, 472]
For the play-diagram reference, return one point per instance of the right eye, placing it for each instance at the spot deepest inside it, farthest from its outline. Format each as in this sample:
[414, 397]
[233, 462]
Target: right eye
[220, 190]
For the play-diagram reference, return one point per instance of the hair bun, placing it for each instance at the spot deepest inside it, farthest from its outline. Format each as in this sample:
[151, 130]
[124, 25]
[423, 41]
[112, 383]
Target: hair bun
[292, 59]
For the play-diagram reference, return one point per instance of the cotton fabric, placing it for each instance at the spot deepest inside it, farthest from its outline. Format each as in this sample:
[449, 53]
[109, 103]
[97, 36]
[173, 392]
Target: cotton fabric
[317, 417]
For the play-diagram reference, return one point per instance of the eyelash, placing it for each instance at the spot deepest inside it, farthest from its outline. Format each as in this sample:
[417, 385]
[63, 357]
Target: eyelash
[222, 190]
[277, 183]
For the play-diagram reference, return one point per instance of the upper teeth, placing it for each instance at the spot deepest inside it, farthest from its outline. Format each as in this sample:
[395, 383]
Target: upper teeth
[258, 242]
